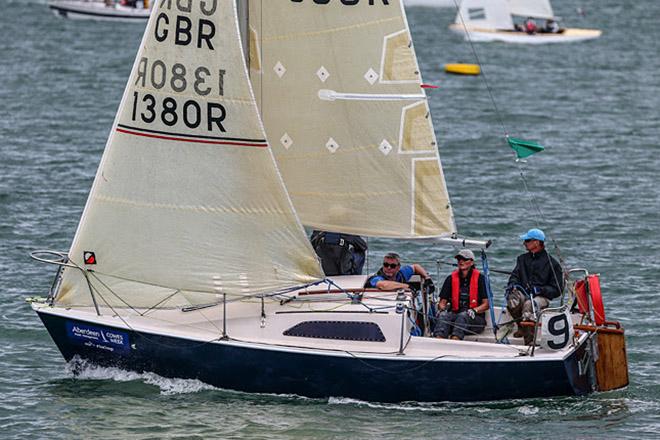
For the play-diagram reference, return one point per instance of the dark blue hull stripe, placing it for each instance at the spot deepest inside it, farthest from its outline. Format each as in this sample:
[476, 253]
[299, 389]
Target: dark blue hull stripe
[312, 375]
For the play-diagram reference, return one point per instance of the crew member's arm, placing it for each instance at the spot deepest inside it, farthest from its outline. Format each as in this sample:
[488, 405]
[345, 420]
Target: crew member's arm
[515, 274]
[484, 305]
[481, 308]
[419, 270]
[390, 285]
[555, 281]
[445, 294]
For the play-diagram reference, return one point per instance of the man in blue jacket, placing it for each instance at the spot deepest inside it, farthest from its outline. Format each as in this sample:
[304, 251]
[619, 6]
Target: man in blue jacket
[393, 276]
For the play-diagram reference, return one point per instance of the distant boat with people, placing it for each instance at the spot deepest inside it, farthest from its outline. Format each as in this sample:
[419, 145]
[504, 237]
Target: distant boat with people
[515, 21]
[124, 10]
[432, 3]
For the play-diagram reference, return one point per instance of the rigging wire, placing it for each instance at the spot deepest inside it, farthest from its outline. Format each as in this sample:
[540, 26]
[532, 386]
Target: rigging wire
[483, 71]
[535, 206]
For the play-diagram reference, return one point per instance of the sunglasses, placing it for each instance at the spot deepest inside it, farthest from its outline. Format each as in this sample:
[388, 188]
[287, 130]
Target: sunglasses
[391, 265]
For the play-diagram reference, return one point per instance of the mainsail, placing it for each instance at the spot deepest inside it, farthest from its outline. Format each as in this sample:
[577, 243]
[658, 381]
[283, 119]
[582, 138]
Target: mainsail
[498, 14]
[339, 91]
[531, 8]
[187, 200]
[484, 14]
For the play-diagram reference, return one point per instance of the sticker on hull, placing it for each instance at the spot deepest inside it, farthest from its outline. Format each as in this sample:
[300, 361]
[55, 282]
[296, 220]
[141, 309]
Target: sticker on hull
[97, 337]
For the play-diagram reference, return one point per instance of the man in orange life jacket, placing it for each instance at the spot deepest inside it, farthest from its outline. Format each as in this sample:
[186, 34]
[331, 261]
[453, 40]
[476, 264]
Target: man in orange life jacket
[539, 275]
[463, 300]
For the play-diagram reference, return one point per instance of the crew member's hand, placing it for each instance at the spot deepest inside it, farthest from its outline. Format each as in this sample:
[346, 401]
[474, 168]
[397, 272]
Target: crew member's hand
[429, 286]
[471, 313]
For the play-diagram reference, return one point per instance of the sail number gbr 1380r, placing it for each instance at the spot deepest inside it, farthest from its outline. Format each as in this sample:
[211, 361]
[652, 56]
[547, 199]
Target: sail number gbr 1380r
[157, 75]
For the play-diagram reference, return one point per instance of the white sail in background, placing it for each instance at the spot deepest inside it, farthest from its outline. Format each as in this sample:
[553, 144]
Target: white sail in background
[339, 91]
[531, 8]
[484, 14]
[187, 200]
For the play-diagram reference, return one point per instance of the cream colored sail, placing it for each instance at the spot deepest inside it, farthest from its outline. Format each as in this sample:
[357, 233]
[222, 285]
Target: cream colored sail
[187, 200]
[339, 92]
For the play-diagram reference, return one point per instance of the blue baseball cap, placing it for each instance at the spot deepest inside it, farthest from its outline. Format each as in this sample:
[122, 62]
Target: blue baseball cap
[533, 234]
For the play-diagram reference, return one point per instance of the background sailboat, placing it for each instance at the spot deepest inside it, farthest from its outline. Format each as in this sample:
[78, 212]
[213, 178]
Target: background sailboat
[432, 3]
[493, 20]
[107, 10]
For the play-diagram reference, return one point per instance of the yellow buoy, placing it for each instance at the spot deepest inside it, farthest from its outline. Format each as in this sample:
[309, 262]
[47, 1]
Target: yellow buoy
[463, 69]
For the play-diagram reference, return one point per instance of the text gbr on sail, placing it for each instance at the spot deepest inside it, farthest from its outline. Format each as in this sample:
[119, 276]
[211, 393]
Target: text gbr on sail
[182, 28]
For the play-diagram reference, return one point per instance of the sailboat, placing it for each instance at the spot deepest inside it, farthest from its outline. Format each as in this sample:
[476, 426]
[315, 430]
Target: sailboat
[104, 10]
[240, 123]
[431, 3]
[493, 20]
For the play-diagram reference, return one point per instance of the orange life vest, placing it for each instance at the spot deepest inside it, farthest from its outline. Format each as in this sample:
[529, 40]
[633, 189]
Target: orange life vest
[456, 287]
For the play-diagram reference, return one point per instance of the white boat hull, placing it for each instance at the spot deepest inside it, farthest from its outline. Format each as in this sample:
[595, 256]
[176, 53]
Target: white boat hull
[82, 10]
[487, 35]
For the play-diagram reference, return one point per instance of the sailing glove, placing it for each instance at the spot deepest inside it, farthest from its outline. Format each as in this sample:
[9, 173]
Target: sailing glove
[471, 313]
[536, 290]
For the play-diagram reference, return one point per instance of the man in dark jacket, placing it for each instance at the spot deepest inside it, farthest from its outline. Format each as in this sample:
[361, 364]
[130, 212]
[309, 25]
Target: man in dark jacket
[539, 276]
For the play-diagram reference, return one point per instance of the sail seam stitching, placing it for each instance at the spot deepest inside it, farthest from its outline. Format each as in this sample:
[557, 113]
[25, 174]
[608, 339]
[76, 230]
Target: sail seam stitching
[243, 211]
[330, 31]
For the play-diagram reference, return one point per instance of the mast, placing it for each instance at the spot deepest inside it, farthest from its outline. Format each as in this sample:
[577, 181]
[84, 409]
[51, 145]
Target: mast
[243, 9]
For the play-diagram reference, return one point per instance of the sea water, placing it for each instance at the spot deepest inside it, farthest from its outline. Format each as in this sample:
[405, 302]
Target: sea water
[594, 105]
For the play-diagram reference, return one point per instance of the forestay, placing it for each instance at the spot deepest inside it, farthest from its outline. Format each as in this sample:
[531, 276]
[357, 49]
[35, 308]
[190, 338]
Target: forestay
[339, 92]
[187, 189]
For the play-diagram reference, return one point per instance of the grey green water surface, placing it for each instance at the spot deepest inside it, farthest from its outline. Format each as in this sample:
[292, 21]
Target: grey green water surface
[595, 105]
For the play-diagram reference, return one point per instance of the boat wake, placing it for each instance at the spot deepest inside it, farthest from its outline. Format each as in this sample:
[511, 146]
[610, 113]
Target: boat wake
[404, 406]
[527, 410]
[84, 370]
